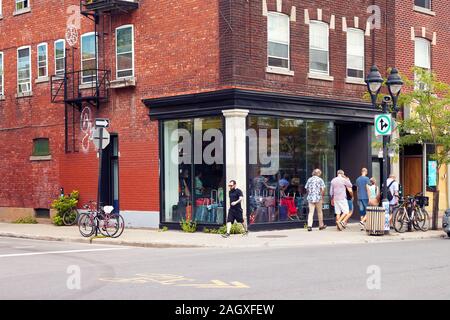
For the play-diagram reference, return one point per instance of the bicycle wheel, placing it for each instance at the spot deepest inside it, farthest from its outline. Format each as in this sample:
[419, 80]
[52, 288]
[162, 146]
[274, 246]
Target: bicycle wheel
[86, 225]
[105, 225]
[70, 217]
[422, 219]
[400, 220]
[119, 225]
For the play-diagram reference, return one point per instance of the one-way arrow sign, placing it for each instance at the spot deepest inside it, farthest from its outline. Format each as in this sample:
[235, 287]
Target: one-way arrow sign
[101, 123]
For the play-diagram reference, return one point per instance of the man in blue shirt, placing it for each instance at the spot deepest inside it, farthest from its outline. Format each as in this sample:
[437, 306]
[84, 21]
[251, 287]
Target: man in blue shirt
[363, 198]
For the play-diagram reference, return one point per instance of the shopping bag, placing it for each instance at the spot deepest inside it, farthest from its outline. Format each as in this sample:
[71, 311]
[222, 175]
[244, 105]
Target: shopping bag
[283, 210]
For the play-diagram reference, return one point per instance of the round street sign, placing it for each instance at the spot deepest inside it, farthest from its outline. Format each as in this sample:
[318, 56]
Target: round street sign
[105, 139]
[383, 125]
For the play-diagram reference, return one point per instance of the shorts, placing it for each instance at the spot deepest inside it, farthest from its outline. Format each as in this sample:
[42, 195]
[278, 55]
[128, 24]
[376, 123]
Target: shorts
[235, 215]
[341, 206]
[363, 203]
[350, 205]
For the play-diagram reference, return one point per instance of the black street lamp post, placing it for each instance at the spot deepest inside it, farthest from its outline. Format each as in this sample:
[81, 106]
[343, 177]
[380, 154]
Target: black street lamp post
[394, 83]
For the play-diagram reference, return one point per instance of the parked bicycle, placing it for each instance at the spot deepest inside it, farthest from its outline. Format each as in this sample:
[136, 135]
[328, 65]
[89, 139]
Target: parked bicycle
[104, 220]
[410, 212]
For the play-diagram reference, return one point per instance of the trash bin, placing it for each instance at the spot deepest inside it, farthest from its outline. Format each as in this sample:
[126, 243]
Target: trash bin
[446, 222]
[375, 221]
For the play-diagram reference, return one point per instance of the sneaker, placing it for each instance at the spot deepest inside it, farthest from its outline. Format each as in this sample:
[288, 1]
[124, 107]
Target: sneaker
[323, 227]
[339, 226]
[363, 225]
[226, 235]
[344, 225]
[309, 229]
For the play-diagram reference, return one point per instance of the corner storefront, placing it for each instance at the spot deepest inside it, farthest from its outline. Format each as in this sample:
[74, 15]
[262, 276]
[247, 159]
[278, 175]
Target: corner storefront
[268, 142]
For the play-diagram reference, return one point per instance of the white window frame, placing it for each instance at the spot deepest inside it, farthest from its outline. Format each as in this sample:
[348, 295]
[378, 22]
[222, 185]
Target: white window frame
[46, 60]
[417, 84]
[81, 57]
[431, 5]
[2, 73]
[319, 72]
[61, 71]
[21, 1]
[1, 8]
[132, 53]
[360, 33]
[31, 71]
[272, 13]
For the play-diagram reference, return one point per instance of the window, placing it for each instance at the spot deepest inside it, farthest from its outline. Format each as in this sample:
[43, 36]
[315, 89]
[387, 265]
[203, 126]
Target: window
[355, 53]
[278, 40]
[1, 8]
[423, 3]
[60, 56]
[88, 58]
[41, 147]
[42, 60]
[124, 51]
[318, 47]
[24, 70]
[422, 58]
[22, 4]
[1, 74]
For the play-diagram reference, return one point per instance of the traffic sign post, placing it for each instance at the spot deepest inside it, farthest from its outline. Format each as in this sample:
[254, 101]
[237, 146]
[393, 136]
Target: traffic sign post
[101, 142]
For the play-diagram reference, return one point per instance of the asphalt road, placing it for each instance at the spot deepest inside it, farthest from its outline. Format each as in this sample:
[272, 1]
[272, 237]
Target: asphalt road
[32, 269]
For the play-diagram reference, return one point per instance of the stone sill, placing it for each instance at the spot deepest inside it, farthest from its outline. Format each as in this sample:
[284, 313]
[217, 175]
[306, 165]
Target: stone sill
[424, 10]
[24, 95]
[318, 76]
[282, 71]
[2, 98]
[355, 81]
[22, 11]
[1, 17]
[123, 83]
[85, 86]
[40, 158]
[42, 80]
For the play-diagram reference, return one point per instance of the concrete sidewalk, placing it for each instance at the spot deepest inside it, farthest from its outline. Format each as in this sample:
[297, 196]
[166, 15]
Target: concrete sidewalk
[178, 239]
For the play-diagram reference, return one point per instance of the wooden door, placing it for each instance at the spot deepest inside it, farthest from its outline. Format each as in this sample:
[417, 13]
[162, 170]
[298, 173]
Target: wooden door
[412, 175]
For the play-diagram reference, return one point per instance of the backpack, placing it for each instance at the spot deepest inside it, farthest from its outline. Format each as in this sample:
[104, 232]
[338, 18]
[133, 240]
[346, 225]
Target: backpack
[390, 196]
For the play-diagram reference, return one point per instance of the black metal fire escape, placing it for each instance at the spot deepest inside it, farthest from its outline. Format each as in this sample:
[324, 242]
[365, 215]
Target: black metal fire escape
[78, 87]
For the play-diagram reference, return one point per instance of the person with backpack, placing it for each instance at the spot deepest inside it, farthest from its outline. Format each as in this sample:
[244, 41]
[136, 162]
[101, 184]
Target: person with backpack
[392, 194]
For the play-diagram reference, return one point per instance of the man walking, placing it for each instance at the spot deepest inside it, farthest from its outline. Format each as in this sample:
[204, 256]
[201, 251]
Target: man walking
[339, 197]
[362, 183]
[316, 189]
[393, 189]
[235, 212]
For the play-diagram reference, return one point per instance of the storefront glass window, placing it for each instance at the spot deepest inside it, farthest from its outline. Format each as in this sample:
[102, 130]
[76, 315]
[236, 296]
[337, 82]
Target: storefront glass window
[278, 194]
[193, 170]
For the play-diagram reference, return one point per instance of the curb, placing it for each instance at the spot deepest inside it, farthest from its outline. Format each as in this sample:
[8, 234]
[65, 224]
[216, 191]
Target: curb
[265, 244]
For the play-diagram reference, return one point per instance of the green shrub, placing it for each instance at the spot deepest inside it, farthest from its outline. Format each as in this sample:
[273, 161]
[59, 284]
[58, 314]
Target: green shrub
[188, 226]
[65, 203]
[57, 221]
[236, 228]
[164, 229]
[26, 220]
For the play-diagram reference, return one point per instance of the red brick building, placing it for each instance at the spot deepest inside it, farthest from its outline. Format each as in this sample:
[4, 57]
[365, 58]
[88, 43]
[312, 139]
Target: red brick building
[200, 68]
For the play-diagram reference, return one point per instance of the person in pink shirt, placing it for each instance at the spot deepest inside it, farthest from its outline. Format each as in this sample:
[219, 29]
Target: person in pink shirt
[339, 197]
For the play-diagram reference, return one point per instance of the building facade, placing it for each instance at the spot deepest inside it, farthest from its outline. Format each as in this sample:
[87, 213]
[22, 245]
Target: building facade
[197, 93]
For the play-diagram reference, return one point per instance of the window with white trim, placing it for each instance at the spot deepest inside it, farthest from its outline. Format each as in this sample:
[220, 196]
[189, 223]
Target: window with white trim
[125, 51]
[1, 5]
[423, 3]
[42, 62]
[88, 58]
[278, 40]
[355, 53]
[318, 48]
[1, 75]
[422, 58]
[24, 70]
[22, 4]
[60, 56]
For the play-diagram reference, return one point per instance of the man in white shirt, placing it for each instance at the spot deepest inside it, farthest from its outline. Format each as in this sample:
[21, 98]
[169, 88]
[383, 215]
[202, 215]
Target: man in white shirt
[393, 187]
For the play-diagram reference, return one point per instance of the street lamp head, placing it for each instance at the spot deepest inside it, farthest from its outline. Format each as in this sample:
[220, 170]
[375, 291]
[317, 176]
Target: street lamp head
[374, 81]
[394, 83]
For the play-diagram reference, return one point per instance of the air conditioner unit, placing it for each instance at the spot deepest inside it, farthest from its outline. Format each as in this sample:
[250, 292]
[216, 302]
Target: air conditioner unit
[24, 87]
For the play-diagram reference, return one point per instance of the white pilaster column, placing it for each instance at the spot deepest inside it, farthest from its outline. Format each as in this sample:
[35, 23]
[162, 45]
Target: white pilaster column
[236, 151]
